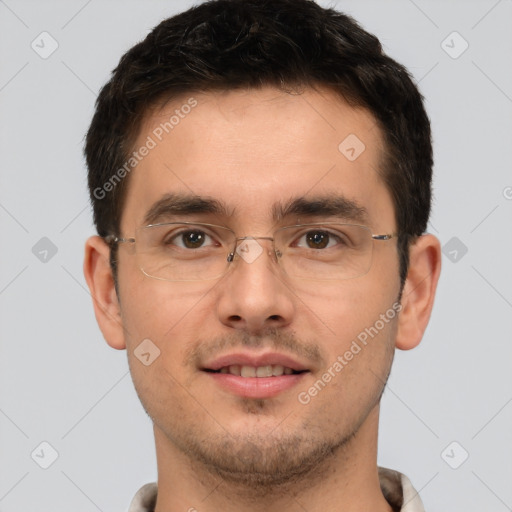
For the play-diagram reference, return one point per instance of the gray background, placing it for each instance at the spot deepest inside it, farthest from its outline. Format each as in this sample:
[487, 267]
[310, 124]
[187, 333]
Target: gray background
[61, 383]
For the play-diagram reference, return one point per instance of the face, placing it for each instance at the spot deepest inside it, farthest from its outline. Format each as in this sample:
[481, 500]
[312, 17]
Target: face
[256, 153]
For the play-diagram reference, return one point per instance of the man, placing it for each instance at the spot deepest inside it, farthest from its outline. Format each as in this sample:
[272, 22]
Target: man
[260, 175]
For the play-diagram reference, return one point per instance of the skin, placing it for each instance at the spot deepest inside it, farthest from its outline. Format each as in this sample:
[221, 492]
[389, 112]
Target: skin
[217, 450]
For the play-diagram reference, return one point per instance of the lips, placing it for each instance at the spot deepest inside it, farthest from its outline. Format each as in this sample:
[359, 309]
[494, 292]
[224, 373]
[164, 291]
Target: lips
[246, 360]
[271, 370]
[250, 376]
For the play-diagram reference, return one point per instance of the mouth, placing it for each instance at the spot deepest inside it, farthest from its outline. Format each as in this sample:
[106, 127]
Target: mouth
[250, 376]
[259, 372]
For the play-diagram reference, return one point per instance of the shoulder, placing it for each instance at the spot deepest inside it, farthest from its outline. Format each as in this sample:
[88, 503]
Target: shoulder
[145, 499]
[399, 491]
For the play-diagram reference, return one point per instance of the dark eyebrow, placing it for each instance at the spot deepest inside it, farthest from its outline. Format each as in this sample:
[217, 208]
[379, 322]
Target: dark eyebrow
[322, 206]
[178, 204]
[182, 204]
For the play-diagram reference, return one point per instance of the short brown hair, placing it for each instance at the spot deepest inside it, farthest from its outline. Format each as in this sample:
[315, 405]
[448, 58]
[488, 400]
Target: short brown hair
[288, 44]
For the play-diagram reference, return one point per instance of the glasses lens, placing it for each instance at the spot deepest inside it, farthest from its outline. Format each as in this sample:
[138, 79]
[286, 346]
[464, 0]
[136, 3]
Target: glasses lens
[197, 252]
[325, 251]
[184, 251]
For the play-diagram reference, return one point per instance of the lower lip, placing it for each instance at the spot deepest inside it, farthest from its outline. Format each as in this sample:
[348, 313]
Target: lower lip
[256, 387]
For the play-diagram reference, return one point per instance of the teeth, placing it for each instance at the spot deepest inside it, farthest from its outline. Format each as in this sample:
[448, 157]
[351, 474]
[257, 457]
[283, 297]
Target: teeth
[248, 371]
[234, 369]
[264, 371]
[261, 371]
[277, 370]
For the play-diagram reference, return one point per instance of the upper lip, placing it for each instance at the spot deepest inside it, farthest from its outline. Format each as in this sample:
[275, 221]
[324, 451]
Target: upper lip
[247, 359]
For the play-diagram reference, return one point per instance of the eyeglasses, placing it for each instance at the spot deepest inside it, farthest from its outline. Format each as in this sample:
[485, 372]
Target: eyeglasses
[190, 251]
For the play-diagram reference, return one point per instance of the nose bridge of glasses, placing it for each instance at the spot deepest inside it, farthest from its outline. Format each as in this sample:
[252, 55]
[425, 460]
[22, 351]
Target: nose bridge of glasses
[250, 237]
[249, 248]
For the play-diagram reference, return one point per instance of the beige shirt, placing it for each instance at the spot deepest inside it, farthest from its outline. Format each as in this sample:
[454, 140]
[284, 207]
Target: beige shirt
[396, 487]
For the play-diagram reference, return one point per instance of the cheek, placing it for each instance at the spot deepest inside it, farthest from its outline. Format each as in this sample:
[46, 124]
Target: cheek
[359, 323]
[342, 310]
[159, 320]
[171, 315]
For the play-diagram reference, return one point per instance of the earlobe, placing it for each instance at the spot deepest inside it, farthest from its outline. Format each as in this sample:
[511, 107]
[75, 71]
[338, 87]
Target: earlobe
[98, 275]
[419, 291]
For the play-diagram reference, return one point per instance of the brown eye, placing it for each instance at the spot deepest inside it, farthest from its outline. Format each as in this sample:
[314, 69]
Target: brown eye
[193, 239]
[189, 239]
[317, 239]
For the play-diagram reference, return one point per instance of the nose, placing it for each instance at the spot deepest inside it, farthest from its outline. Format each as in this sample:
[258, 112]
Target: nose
[254, 294]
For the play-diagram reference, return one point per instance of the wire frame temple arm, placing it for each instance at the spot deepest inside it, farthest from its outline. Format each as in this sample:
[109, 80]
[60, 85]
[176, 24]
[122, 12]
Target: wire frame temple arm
[113, 239]
[383, 237]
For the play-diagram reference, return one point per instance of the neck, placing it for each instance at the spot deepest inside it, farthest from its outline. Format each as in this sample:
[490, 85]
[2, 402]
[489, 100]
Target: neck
[346, 480]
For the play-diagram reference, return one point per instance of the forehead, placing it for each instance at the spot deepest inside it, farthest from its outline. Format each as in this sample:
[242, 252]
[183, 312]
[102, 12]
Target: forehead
[254, 151]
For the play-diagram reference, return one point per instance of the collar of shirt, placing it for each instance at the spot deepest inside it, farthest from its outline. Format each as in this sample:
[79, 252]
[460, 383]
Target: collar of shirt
[396, 487]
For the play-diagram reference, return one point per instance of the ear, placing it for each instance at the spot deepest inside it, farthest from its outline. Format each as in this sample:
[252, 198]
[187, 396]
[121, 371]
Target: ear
[419, 291]
[100, 280]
